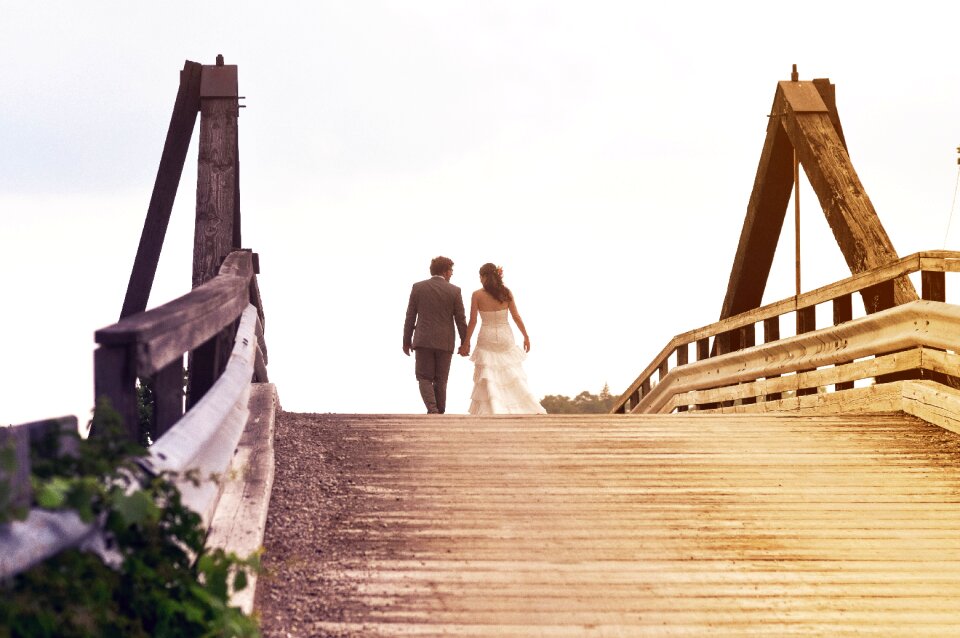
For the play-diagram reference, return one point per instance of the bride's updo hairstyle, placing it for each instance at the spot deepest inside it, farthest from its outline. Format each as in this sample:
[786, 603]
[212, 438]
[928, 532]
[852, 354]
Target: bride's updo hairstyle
[492, 278]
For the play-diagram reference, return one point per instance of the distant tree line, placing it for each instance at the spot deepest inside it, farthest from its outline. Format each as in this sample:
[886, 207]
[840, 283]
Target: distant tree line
[583, 403]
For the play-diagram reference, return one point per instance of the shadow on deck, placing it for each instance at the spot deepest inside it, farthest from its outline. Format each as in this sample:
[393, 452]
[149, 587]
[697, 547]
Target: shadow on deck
[383, 525]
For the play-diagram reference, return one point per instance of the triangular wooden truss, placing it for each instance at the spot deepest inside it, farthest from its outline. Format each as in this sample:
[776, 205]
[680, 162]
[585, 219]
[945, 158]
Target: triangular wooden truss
[804, 117]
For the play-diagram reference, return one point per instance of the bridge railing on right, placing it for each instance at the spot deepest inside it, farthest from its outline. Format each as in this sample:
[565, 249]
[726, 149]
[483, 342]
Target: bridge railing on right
[914, 341]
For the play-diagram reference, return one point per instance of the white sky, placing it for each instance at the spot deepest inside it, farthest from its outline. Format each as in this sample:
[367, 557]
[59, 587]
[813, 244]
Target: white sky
[602, 152]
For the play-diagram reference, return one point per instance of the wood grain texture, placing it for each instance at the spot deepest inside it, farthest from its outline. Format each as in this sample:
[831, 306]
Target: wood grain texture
[567, 525]
[241, 515]
[936, 260]
[862, 239]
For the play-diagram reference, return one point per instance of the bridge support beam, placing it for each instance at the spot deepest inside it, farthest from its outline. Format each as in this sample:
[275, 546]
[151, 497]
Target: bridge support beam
[804, 117]
[217, 229]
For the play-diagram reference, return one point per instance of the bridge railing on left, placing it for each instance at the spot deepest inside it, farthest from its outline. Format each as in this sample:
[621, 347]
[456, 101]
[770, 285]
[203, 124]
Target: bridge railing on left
[218, 326]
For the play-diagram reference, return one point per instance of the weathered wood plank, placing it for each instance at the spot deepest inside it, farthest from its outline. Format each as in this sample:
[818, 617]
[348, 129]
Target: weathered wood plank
[168, 396]
[740, 524]
[905, 360]
[933, 285]
[862, 239]
[166, 332]
[115, 378]
[238, 523]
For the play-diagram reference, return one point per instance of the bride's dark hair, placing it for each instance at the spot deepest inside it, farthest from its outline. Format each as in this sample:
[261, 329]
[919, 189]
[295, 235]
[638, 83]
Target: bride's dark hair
[492, 277]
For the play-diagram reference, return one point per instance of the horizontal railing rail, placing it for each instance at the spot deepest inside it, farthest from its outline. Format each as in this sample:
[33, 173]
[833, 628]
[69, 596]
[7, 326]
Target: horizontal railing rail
[738, 333]
[152, 344]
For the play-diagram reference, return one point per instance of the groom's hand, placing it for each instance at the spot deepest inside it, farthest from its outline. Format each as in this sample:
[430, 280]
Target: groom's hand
[406, 350]
[465, 350]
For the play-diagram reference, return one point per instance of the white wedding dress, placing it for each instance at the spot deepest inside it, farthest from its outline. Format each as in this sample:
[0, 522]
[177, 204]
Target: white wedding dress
[499, 382]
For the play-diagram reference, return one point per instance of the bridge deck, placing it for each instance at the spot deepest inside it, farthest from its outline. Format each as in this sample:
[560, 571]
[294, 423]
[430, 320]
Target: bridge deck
[612, 526]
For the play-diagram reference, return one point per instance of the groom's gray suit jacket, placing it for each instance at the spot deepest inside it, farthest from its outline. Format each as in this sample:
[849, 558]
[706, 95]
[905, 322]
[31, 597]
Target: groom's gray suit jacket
[435, 305]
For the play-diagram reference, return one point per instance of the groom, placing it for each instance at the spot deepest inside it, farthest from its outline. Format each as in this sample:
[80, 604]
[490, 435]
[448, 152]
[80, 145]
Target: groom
[435, 305]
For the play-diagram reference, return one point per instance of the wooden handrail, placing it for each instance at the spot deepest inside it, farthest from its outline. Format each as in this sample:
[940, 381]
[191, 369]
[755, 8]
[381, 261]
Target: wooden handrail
[910, 326]
[145, 344]
[867, 283]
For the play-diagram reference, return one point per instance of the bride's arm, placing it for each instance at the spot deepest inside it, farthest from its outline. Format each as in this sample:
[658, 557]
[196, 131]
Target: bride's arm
[471, 326]
[517, 320]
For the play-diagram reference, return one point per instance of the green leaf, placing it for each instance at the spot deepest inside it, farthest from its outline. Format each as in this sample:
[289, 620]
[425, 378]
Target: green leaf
[240, 580]
[136, 508]
[52, 494]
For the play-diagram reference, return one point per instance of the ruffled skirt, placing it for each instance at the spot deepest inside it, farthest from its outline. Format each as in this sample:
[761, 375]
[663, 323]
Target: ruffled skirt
[500, 384]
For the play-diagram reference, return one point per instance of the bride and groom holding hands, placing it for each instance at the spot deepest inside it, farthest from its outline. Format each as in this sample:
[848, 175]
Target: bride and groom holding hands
[435, 308]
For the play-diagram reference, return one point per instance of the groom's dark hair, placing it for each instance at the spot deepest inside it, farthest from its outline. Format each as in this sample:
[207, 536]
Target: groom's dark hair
[440, 265]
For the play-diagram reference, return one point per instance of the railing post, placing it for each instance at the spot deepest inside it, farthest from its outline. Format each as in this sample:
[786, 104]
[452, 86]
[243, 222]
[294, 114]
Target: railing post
[842, 312]
[878, 297]
[771, 332]
[168, 397]
[218, 207]
[806, 322]
[933, 285]
[114, 378]
[703, 348]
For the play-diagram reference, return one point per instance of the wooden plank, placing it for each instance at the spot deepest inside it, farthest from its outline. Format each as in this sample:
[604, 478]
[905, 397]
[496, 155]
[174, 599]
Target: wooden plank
[771, 333]
[165, 333]
[240, 518]
[933, 285]
[879, 297]
[906, 360]
[168, 397]
[806, 322]
[114, 378]
[182, 122]
[570, 525]
[843, 312]
[683, 354]
[933, 402]
[703, 348]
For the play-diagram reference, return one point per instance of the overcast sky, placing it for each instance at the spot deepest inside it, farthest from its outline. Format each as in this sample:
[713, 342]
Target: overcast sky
[602, 152]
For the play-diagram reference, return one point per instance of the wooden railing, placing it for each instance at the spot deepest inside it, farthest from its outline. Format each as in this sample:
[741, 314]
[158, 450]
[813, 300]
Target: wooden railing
[151, 345]
[201, 440]
[732, 372]
[218, 326]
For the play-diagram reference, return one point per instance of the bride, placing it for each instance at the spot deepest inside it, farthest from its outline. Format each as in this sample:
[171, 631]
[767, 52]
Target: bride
[499, 383]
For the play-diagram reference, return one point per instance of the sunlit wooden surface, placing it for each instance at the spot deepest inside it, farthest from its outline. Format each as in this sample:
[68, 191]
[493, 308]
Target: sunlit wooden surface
[619, 526]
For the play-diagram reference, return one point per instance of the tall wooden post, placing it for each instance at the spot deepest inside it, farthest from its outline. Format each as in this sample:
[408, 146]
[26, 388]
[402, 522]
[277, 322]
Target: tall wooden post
[218, 207]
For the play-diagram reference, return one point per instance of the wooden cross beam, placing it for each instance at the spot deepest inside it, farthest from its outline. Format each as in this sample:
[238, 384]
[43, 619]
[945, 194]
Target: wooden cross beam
[804, 117]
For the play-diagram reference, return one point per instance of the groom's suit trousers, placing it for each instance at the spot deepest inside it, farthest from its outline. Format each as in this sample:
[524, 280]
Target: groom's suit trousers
[432, 369]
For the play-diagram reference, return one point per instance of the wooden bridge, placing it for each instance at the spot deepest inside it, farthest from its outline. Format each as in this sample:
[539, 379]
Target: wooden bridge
[806, 484]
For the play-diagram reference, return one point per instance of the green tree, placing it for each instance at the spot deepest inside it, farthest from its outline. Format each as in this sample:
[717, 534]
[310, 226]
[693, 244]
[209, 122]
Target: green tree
[583, 403]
